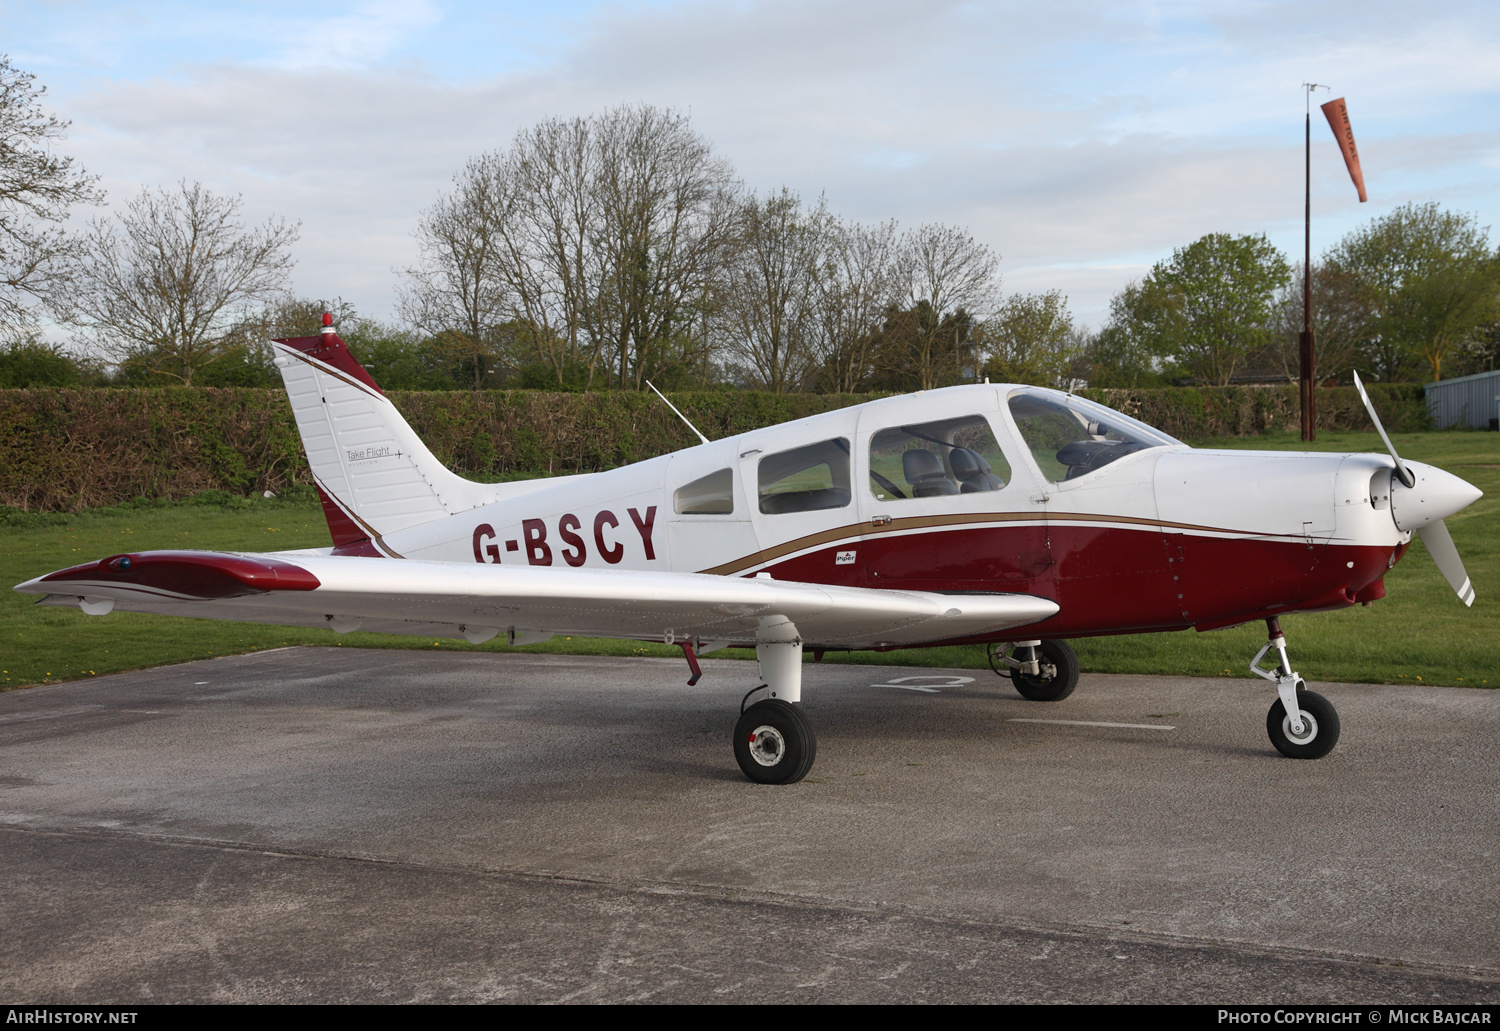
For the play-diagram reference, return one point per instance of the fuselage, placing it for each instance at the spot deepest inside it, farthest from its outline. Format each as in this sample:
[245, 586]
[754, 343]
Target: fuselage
[1140, 533]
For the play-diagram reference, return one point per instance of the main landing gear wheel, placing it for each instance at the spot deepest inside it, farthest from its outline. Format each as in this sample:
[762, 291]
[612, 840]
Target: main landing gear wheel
[1320, 726]
[1055, 680]
[774, 743]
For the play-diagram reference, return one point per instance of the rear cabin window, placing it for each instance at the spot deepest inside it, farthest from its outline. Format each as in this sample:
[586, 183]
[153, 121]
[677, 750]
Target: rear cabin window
[708, 495]
[1070, 437]
[936, 459]
[806, 479]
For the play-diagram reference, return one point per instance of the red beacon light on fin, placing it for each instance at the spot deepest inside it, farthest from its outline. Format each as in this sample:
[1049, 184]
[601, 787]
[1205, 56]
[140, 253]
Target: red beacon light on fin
[328, 323]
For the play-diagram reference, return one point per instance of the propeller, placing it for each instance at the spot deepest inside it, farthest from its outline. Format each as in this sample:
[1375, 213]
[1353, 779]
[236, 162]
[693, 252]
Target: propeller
[1430, 495]
[1402, 473]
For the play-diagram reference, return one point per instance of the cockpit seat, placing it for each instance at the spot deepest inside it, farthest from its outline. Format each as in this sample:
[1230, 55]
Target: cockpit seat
[924, 472]
[973, 472]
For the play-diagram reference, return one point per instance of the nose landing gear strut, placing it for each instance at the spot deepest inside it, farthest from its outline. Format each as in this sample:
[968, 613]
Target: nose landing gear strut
[1301, 724]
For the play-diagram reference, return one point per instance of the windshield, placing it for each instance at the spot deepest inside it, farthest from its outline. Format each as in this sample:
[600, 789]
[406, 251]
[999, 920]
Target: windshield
[1070, 437]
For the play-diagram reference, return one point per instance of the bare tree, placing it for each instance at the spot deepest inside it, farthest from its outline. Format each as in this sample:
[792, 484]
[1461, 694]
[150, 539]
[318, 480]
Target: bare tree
[946, 272]
[36, 189]
[601, 238]
[457, 293]
[168, 283]
[853, 285]
[768, 304]
[669, 221]
[555, 261]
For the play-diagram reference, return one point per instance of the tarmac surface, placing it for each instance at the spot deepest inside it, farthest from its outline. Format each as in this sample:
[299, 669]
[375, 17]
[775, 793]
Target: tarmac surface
[341, 825]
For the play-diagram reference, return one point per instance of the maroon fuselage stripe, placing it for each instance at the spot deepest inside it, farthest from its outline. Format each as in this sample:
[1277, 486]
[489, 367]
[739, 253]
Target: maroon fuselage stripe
[1110, 579]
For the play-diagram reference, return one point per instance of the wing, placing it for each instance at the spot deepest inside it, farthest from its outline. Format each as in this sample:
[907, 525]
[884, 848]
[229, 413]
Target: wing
[477, 602]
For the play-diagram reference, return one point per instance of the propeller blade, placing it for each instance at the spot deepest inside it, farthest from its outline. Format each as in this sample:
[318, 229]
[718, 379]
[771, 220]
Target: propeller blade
[1402, 472]
[1439, 545]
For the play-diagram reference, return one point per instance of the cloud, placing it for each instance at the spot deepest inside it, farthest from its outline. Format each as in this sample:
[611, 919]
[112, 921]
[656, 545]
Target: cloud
[1081, 142]
[356, 39]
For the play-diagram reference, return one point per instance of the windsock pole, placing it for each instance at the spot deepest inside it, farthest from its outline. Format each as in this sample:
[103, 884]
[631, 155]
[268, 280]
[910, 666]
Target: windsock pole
[1306, 360]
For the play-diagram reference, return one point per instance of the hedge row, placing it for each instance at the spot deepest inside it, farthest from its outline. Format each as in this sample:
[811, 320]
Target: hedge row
[1199, 413]
[65, 450]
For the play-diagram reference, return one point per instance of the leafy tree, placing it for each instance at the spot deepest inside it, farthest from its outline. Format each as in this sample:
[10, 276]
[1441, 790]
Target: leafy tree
[1431, 279]
[1211, 304]
[915, 349]
[37, 187]
[29, 362]
[1031, 340]
[397, 359]
[1130, 351]
[1343, 323]
[245, 358]
[166, 286]
[1482, 352]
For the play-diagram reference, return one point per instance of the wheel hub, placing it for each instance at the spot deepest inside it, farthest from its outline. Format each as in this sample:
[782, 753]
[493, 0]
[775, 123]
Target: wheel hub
[767, 745]
[1309, 729]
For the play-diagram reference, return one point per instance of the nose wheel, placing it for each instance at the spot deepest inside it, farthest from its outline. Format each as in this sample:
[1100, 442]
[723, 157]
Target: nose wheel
[1301, 724]
[1319, 730]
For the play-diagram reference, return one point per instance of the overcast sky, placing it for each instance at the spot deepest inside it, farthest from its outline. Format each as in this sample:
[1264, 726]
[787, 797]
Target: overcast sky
[1081, 141]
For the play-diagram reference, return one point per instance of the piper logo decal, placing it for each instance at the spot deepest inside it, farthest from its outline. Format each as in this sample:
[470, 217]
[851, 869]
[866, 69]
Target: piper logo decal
[533, 539]
[844, 558]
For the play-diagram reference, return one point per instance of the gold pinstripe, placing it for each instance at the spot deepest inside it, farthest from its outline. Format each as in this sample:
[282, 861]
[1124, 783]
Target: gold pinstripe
[853, 531]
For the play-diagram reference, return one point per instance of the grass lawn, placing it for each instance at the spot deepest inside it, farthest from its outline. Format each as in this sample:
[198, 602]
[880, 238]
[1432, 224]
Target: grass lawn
[1420, 632]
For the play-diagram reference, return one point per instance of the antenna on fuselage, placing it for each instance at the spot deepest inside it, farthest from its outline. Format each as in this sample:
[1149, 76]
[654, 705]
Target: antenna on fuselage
[679, 415]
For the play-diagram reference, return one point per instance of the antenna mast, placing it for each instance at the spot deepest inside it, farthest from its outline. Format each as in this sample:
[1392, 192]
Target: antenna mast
[679, 415]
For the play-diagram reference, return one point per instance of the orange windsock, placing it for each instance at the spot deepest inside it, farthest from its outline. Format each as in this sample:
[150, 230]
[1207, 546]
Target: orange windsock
[1338, 121]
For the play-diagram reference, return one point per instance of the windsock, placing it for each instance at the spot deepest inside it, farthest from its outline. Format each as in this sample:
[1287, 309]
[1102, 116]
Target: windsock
[1338, 120]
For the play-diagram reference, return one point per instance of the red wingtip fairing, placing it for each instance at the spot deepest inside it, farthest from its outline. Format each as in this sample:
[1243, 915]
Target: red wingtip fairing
[196, 574]
[330, 350]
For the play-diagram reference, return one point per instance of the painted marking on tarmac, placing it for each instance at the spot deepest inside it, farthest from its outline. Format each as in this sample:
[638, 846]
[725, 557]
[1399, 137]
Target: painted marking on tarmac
[927, 686]
[1092, 723]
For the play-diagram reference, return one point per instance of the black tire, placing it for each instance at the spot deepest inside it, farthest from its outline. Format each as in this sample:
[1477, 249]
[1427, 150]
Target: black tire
[1324, 731]
[1057, 679]
[774, 743]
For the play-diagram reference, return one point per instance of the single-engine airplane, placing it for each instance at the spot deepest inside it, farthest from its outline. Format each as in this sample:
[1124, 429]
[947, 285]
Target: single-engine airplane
[1007, 515]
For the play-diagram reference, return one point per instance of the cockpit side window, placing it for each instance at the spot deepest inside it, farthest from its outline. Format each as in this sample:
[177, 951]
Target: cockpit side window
[806, 479]
[1070, 437]
[708, 495]
[935, 459]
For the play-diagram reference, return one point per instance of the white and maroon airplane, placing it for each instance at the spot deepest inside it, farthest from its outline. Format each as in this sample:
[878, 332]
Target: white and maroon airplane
[1013, 516]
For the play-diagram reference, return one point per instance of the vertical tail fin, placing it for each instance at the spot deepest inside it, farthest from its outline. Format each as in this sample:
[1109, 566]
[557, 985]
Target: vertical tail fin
[374, 475]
